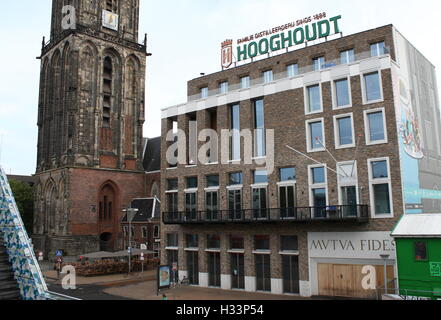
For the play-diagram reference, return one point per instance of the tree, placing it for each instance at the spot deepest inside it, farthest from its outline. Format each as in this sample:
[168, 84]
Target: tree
[24, 197]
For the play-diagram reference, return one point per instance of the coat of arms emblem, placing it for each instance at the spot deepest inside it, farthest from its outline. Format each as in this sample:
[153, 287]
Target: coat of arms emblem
[227, 53]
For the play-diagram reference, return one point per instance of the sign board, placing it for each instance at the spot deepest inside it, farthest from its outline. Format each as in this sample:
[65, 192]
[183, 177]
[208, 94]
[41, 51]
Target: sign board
[59, 253]
[40, 256]
[435, 269]
[351, 245]
[110, 20]
[282, 37]
[142, 257]
[164, 277]
[175, 267]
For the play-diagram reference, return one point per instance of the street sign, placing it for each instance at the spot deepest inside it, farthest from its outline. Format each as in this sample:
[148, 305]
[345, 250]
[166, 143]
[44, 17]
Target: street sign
[175, 267]
[40, 256]
[59, 253]
[142, 257]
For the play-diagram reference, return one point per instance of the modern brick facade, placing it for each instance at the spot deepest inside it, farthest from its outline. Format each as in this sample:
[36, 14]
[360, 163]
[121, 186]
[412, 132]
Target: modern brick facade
[284, 99]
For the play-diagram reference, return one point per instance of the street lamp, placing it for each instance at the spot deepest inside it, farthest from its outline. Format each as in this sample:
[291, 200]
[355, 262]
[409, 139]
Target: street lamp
[385, 257]
[131, 213]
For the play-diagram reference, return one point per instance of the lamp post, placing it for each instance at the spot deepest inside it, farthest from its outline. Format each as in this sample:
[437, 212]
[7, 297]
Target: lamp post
[385, 257]
[131, 213]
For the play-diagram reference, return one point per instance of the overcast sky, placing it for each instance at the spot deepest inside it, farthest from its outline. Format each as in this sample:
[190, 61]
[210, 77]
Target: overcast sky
[184, 37]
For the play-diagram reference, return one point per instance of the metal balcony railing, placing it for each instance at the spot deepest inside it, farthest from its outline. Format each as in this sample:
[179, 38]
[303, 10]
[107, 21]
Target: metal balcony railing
[351, 213]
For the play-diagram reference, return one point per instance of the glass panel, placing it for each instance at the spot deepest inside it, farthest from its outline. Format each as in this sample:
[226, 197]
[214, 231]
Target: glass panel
[292, 70]
[193, 267]
[235, 127]
[287, 174]
[378, 49]
[319, 200]
[318, 175]
[314, 99]
[287, 202]
[213, 181]
[237, 271]
[172, 258]
[213, 242]
[260, 176]
[204, 92]
[262, 242]
[379, 170]
[382, 199]
[237, 242]
[235, 204]
[318, 63]
[223, 87]
[172, 184]
[376, 126]
[268, 76]
[214, 273]
[342, 92]
[192, 183]
[289, 243]
[236, 178]
[347, 56]
[259, 203]
[263, 273]
[259, 122]
[372, 83]
[244, 82]
[316, 132]
[420, 251]
[291, 279]
[349, 201]
[345, 131]
[192, 241]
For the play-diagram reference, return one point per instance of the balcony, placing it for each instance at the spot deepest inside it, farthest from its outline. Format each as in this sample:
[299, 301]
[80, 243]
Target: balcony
[354, 213]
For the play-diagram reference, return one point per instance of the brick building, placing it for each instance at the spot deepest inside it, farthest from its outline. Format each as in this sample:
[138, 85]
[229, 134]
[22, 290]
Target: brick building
[361, 117]
[91, 151]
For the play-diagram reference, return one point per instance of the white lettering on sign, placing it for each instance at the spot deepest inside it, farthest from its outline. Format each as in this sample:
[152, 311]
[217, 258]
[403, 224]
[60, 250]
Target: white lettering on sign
[359, 245]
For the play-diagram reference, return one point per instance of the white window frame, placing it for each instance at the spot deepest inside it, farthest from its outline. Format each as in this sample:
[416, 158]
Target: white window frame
[320, 67]
[377, 47]
[306, 95]
[337, 131]
[264, 76]
[347, 184]
[334, 93]
[247, 82]
[363, 86]
[288, 66]
[368, 130]
[373, 182]
[313, 186]
[309, 138]
[347, 56]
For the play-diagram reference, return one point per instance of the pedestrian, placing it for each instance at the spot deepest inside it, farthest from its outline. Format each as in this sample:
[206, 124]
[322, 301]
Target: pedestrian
[164, 297]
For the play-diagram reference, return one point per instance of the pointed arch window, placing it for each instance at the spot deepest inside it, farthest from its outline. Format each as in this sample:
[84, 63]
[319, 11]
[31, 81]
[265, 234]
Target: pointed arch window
[107, 91]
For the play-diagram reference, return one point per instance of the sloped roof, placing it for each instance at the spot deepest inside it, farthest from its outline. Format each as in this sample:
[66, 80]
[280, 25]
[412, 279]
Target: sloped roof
[149, 209]
[418, 226]
[152, 154]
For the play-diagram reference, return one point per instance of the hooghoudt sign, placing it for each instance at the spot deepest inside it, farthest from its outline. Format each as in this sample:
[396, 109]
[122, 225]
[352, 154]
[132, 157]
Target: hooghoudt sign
[351, 245]
[285, 36]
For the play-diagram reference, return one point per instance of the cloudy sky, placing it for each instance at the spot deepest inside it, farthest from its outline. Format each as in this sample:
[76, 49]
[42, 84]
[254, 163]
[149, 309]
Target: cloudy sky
[184, 37]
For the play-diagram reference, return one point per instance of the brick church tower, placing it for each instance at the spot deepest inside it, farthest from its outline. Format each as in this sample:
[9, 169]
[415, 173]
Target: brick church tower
[90, 120]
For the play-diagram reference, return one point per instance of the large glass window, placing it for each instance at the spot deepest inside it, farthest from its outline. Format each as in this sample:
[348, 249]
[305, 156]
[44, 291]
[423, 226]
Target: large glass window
[347, 181]
[214, 269]
[342, 96]
[318, 191]
[204, 92]
[235, 178]
[235, 136]
[172, 240]
[212, 205]
[192, 183]
[245, 82]
[289, 243]
[314, 103]
[260, 176]
[287, 174]
[318, 63]
[260, 203]
[347, 56]
[223, 87]
[193, 267]
[292, 70]
[237, 242]
[267, 76]
[380, 186]
[237, 271]
[262, 242]
[172, 184]
[375, 127]
[379, 169]
[172, 202]
[344, 132]
[259, 125]
[192, 241]
[315, 136]
[191, 206]
[263, 272]
[212, 181]
[235, 204]
[378, 49]
[213, 242]
[372, 87]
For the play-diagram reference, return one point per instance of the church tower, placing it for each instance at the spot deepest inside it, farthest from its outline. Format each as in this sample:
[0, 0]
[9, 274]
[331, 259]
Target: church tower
[90, 120]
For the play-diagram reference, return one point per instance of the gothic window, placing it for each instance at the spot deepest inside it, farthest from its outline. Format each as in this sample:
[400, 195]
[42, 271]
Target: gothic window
[106, 203]
[50, 208]
[107, 91]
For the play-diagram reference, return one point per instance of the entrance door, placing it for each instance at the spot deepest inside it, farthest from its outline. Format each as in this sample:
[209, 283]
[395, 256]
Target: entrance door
[237, 271]
[214, 271]
[291, 279]
[106, 242]
[346, 280]
[263, 272]
[193, 267]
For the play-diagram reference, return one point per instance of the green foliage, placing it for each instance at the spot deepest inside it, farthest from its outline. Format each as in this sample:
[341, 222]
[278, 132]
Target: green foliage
[24, 197]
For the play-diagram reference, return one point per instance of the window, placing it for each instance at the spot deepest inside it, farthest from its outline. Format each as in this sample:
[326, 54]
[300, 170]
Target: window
[260, 176]
[156, 249]
[262, 242]
[289, 243]
[235, 136]
[347, 56]
[107, 92]
[156, 233]
[235, 178]
[172, 240]
[287, 174]
[375, 124]
[318, 190]
[223, 87]
[344, 131]
[192, 241]
[212, 198]
[260, 195]
[378, 49]
[259, 125]
[267, 76]
[204, 92]
[245, 82]
[213, 151]
[420, 251]
[172, 202]
[318, 63]
[172, 184]
[313, 99]
[192, 183]
[315, 135]
[213, 242]
[348, 188]
[380, 187]
[191, 206]
[212, 181]
[144, 232]
[292, 70]
[237, 242]
[132, 233]
[342, 93]
[372, 91]
[126, 231]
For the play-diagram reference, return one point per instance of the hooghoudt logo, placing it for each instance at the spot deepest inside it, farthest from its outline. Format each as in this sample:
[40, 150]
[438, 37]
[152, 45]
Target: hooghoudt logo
[227, 53]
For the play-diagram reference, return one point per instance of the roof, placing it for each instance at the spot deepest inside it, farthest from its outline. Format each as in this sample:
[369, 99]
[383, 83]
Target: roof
[418, 226]
[149, 208]
[152, 154]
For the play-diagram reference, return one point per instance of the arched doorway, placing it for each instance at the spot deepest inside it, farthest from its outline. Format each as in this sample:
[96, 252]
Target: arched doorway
[106, 241]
